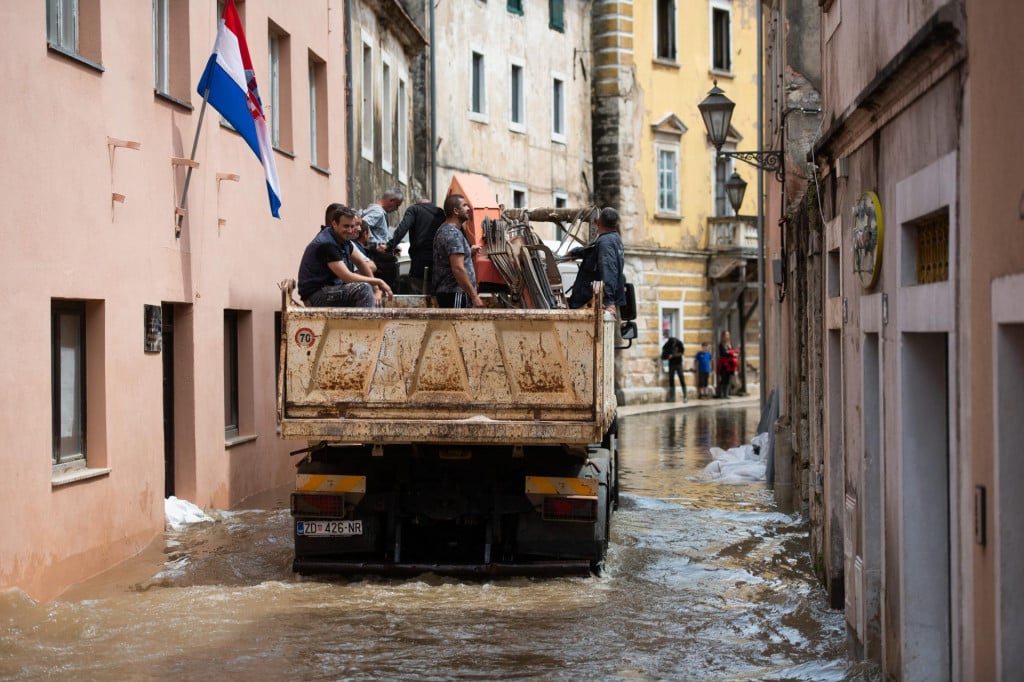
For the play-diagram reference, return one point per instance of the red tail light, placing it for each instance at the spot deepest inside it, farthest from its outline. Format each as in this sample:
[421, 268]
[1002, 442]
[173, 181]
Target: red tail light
[309, 504]
[570, 509]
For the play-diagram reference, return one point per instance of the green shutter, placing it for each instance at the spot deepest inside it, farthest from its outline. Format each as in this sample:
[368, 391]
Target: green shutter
[557, 10]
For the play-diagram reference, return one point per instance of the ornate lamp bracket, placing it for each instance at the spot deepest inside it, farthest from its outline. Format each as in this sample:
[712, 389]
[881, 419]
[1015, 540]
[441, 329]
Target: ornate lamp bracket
[767, 161]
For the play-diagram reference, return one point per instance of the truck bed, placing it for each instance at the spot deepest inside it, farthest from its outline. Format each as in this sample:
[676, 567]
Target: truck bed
[412, 374]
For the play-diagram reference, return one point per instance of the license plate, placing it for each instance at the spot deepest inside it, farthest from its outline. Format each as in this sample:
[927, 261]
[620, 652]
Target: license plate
[328, 529]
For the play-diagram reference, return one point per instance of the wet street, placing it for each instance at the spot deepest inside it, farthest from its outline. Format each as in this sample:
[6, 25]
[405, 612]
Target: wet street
[704, 581]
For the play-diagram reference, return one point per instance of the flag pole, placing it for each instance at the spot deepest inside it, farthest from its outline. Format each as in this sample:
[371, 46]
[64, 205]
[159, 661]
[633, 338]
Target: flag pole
[180, 212]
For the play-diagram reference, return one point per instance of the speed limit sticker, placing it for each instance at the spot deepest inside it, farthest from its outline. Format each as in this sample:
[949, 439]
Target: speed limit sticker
[305, 337]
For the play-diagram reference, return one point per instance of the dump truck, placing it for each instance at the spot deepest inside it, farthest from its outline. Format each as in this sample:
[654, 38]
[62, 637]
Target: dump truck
[470, 441]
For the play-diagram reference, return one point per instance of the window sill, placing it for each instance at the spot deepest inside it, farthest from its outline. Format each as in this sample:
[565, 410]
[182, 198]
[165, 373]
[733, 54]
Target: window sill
[517, 128]
[665, 215]
[76, 475]
[478, 117]
[285, 152]
[238, 440]
[321, 171]
[668, 63]
[173, 100]
[558, 139]
[74, 57]
[722, 73]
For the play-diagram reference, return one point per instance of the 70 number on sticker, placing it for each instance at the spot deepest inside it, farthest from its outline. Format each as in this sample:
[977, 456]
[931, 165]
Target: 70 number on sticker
[305, 338]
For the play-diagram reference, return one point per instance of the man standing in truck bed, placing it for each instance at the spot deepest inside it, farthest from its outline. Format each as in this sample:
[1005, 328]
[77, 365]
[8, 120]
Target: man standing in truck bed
[420, 221]
[603, 261]
[454, 276]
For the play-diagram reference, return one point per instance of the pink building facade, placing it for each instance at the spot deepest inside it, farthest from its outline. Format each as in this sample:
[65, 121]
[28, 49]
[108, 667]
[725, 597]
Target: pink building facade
[141, 361]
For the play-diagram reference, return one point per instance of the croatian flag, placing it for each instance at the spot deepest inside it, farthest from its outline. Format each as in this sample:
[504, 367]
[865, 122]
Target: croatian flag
[231, 83]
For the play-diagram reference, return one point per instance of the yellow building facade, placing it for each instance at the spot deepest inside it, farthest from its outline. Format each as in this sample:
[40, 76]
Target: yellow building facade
[655, 60]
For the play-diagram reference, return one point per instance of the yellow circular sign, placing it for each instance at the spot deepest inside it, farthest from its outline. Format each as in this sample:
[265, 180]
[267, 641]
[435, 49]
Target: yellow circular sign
[868, 239]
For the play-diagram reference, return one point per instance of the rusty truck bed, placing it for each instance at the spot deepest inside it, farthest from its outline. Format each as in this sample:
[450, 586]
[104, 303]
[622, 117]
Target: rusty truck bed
[405, 374]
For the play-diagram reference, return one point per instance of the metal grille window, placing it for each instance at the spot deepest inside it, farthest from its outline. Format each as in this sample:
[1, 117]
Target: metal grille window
[933, 249]
[68, 389]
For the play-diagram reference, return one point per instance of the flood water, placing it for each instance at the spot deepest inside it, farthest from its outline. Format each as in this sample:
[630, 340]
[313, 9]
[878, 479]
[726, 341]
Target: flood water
[705, 581]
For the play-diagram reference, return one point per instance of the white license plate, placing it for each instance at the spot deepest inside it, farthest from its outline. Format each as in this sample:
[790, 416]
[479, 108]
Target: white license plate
[328, 529]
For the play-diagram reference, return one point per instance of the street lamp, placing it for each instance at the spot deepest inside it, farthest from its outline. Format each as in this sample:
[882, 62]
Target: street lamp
[735, 188]
[716, 110]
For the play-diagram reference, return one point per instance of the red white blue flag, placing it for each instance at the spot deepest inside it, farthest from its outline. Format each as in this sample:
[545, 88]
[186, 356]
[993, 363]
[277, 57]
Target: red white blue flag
[229, 83]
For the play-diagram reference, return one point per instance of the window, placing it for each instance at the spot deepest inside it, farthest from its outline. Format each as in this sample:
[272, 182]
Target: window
[665, 28]
[403, 130]
[723, 169]
[558, 109]
[556, 14]
[518, 195]
[73, 28]
[318, 147]
[366, 113]
[171, 49]
[68, 386]
[386, 141]
[561, 201]
[280, 89]
[478, 93]
[239, 404]
[668, 179]
[515, 6]
[231, 374]
[721, 35]
[517, 99]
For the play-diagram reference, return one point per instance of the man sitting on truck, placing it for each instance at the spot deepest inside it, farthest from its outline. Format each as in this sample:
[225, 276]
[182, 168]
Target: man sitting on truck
[332, 273]
[454, 276]
[603, 261]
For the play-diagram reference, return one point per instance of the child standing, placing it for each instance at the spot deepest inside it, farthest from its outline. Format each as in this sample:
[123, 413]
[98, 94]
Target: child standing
[703, 362]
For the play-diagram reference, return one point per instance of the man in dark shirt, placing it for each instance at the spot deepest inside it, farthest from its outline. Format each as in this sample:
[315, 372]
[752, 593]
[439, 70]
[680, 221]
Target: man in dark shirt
[603, 261]
[454, 275]
[420, 221]
[673, 352]
[331, 273]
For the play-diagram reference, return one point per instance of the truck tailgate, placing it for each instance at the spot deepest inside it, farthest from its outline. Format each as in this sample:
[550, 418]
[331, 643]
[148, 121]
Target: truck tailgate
[391, 375]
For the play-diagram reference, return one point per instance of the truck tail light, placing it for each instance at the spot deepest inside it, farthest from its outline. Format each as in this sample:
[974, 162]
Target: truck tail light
[318, 504]
[570, 509]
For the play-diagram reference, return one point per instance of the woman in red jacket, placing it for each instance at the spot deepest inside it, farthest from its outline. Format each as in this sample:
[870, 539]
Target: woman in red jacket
[728, 364]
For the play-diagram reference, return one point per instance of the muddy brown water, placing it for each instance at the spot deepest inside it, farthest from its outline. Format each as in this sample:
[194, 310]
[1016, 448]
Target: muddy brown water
[704, 582]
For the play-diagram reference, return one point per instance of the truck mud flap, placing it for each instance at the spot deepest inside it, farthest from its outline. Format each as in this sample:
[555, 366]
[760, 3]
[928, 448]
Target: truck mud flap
[537, 568]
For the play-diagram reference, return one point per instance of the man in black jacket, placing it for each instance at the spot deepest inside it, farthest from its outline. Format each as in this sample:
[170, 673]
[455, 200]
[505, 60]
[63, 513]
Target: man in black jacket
[603, 261]
[673, 352]
[420, 221]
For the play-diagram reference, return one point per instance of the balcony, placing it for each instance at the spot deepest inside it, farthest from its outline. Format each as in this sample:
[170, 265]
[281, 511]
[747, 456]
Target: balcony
[733, 235]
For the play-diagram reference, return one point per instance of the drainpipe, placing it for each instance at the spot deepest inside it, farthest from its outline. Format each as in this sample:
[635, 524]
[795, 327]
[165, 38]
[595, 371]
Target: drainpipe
[762, 359]
[433, 112]
[349, 124]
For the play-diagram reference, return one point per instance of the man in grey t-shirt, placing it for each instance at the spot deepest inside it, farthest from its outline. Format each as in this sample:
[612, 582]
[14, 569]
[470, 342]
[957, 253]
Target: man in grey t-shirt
[454, 277]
